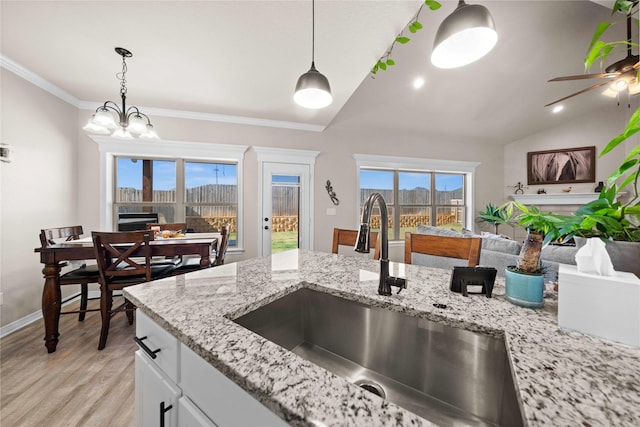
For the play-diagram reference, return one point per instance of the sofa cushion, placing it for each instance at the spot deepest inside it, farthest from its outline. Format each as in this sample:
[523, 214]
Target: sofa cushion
[624, 255]
[560, 254]
[437, 231]
[501, 245]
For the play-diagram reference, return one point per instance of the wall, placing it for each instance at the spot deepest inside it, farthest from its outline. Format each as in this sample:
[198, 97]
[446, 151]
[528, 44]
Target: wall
[38, 188]
[596, 128]
[336, 144]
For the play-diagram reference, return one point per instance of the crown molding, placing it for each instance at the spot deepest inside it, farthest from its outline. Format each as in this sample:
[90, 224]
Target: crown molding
[58, 92]
[39, 81]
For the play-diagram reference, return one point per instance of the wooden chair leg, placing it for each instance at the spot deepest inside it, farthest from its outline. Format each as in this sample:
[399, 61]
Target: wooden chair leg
[83, 301]
[106, 300]
[129, 310]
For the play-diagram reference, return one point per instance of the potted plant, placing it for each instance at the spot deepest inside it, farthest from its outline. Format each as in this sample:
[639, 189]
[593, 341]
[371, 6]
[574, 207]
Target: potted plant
[524, 282]
[494, 215]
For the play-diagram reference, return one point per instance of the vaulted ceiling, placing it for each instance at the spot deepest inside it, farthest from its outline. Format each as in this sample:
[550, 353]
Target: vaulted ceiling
[241, 59]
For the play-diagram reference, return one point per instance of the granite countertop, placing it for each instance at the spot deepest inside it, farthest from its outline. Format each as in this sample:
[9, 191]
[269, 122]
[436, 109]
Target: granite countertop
[563, 377]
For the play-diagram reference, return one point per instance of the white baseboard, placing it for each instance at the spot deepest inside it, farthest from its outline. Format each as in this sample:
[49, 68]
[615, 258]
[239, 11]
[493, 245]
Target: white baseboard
[33, 317]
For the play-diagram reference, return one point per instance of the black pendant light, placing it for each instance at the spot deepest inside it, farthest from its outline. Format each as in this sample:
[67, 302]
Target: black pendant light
[465, 36]
[313, 90]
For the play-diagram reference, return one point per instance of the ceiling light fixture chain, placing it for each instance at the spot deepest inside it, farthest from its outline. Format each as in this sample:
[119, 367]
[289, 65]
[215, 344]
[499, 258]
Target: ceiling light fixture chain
[127, 121]
[122, 77]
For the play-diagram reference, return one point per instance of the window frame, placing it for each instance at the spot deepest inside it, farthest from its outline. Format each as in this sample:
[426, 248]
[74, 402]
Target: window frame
[409, 164]
[109, 148]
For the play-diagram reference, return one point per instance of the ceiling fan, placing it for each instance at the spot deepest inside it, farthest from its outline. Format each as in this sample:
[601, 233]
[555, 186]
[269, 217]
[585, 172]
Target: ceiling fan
[620, 75]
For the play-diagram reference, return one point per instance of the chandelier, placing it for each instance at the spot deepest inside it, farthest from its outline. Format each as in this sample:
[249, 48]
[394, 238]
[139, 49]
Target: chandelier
[121, 122]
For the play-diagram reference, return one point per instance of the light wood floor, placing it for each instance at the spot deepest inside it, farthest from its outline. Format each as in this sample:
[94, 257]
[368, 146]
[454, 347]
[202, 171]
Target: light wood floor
[75, 386]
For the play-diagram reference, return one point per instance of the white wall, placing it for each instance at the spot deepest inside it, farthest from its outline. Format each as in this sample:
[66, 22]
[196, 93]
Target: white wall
[596, 128]
[38, 188]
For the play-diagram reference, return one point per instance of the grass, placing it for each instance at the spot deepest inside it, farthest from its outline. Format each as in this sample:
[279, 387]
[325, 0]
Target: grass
[283, 241]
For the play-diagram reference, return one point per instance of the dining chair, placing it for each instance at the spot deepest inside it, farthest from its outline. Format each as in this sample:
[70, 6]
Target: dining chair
[451, 247]
[345, 237]
[124, 259]
[82, 275]
[190, 264]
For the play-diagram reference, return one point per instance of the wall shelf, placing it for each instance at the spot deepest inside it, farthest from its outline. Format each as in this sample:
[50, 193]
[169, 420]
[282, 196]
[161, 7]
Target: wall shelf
[554, 198]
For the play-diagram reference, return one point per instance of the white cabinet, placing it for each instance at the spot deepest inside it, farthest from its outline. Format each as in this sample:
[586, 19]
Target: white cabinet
[190, 416]
[222, 400]
[176, 387]
[156, 395]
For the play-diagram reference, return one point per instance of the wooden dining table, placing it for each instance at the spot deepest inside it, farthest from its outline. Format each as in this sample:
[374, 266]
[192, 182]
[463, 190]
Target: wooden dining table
[55, 255]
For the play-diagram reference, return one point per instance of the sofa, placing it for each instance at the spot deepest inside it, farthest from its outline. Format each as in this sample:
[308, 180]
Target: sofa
[497, 251]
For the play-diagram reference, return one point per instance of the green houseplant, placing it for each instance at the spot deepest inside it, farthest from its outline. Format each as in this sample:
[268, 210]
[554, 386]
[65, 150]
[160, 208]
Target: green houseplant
[494, 215]
[524, 282]
[607, 217]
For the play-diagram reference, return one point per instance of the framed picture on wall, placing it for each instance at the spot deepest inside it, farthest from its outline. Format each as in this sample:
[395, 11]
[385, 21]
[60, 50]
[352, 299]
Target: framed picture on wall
[564, 166]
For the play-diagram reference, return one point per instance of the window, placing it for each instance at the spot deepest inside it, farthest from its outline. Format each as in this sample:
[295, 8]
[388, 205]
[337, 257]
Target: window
[164, 177]
[202, 194]
[439, 197]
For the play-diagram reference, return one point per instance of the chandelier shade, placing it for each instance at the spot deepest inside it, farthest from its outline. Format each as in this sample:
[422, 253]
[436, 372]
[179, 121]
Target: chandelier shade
[119, 121]
[463, 37]
[313, 90]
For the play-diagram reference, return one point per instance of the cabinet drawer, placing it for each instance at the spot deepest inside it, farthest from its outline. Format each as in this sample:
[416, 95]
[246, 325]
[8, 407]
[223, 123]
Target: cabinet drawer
[221, 400]
[161, 343]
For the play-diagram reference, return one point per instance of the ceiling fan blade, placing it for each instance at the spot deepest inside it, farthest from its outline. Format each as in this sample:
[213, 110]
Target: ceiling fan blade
[595, 86]
[585, 77]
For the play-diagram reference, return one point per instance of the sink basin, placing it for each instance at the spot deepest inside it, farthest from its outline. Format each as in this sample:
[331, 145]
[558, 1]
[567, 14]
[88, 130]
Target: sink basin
[447, 375]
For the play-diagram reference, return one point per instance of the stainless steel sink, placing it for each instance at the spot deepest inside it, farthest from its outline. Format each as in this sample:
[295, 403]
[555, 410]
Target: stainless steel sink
[447, 375]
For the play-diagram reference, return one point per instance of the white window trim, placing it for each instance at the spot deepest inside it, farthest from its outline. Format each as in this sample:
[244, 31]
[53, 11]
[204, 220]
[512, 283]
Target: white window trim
[286, 155]
[413, 164]
[109, 148]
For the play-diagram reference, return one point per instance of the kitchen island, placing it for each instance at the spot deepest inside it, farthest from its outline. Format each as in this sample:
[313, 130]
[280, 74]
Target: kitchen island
[562, 377]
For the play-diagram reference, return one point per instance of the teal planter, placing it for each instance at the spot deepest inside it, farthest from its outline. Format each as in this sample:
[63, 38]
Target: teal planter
[525, 290]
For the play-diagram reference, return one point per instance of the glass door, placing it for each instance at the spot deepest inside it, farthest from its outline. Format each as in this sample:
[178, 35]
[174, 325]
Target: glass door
[285, 207]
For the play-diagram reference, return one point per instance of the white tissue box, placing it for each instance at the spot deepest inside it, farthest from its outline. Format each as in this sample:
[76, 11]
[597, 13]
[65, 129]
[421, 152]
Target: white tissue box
[604, 306]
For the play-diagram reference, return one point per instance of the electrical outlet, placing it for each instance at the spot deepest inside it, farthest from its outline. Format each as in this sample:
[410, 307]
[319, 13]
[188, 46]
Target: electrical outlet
[1, 299]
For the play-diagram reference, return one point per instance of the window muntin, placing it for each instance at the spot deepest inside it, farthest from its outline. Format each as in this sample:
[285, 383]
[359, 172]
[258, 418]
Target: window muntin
[202, 194]
[415, 198]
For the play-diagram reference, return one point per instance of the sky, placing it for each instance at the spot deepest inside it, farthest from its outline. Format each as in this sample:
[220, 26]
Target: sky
[383, 180]
[164, 174]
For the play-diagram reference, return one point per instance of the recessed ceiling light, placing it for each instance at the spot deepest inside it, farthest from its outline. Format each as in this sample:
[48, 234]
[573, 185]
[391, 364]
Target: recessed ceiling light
[418, 82]
[557, 108]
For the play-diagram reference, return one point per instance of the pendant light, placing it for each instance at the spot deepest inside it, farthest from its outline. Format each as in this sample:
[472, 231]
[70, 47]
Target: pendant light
[313, 90]
[465, 36]
[121, 122]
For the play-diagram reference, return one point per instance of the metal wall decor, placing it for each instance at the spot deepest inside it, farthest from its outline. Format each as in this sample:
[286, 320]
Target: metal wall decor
[332, 194]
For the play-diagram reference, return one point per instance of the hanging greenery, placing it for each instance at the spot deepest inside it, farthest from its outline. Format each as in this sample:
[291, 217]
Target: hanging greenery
[414, 26]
